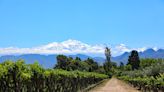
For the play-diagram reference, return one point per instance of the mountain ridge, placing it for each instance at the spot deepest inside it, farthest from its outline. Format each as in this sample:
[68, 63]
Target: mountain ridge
[148, 53]
[49, 61]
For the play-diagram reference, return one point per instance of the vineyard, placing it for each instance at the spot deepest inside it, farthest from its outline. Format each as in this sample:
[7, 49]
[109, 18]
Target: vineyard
[76, 75]
[21, 77]
[150, 76]
[146, 83]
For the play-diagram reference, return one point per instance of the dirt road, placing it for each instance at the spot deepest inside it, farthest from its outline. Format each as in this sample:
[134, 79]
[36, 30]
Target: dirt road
[114, 85]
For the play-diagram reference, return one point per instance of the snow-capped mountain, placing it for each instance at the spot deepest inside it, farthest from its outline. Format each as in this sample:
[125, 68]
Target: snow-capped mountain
[70, 47]
[49, 61]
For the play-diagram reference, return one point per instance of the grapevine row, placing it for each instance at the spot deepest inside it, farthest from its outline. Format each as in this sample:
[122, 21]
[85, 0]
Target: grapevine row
[147, 83]
[21, 77]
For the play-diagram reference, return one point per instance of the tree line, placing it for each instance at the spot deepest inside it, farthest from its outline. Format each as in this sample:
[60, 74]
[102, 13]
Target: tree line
[89, 65]
[70, 64]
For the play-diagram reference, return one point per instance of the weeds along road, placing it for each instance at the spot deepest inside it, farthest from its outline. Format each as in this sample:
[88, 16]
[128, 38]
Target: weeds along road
[114, 85]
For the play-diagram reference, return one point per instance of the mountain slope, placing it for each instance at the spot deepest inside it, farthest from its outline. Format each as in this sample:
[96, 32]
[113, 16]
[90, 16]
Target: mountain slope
[48, 61]
[149, 53]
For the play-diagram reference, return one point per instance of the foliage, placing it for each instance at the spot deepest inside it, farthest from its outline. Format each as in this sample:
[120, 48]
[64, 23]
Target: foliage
[127, 68]
[92, 64]
[108, 65]
[108, 54]
[149, 62]
[68, 63]
[146, 83]
[61, 62]
[134, 60]
[150, 75]
[21, 77]
[121, 65]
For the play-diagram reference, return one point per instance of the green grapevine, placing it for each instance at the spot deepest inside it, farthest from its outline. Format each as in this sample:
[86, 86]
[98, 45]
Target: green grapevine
[21, 77]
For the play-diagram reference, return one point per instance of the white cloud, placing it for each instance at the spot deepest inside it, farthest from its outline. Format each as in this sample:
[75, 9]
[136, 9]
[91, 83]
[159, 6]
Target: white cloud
[68, 47]
[119, 49]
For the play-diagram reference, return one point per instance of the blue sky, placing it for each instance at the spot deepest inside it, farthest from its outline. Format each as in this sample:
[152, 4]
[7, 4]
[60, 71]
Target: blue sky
[29, 23]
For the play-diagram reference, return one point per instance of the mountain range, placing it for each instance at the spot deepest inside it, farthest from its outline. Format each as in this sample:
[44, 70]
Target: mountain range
[48, 61]
[149, 53]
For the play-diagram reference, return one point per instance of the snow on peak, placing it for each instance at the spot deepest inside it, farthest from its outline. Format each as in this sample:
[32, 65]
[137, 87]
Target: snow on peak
[69, 47]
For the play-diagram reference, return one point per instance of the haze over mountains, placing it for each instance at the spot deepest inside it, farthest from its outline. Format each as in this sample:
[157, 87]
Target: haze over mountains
[70, 47]
[49, 61]
[46, 54]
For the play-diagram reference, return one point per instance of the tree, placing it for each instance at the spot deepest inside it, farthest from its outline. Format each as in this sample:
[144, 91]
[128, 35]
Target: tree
[92, 64]
[78, 59]
[71, 64]
[121, 65]
[107, 54]
[62, 62]
[134, 60]
[107, 65]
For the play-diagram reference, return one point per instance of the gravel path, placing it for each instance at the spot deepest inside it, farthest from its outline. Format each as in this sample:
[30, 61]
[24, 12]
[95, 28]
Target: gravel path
[114, 85]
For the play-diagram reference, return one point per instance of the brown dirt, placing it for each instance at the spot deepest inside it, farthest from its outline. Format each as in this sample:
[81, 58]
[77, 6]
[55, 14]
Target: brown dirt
[114, 85]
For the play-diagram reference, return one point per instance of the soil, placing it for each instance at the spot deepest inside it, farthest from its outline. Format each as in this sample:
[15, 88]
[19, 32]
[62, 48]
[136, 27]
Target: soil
[114, 85]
